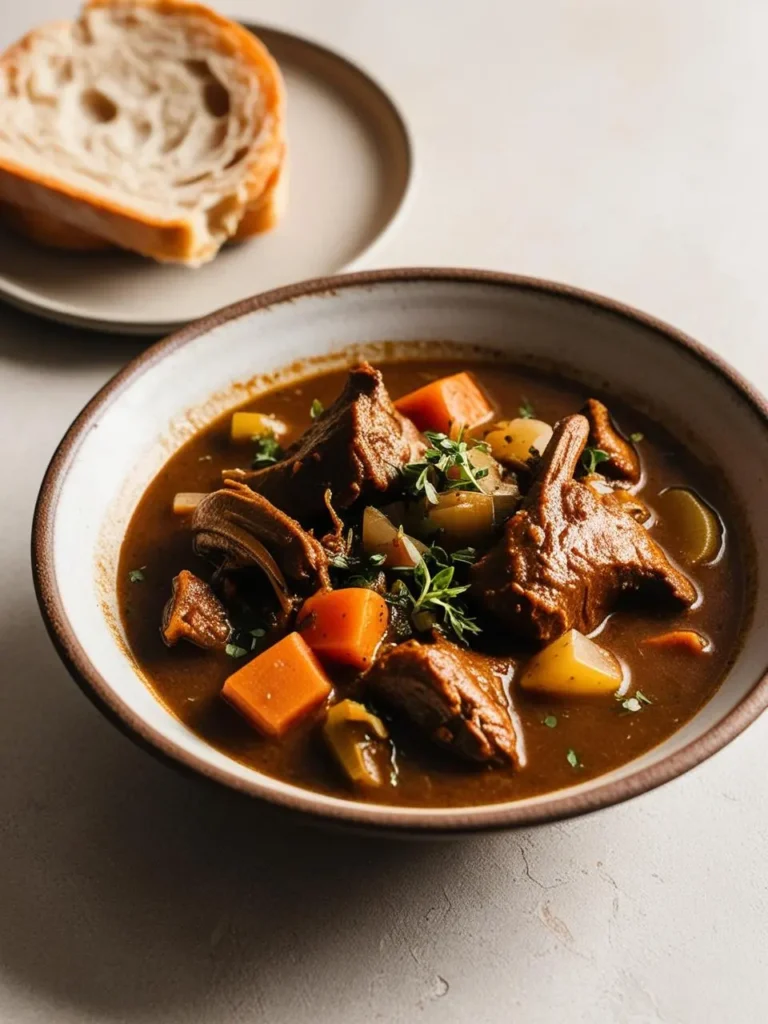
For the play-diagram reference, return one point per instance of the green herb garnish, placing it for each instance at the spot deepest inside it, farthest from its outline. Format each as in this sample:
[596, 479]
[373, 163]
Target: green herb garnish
[550, 721]
[525, 411]
[366, 571]
[234, 651]
[438, 558]
[268, 450]
[634, 704]
[592, 457]
[437, 599]
[137, 575]
[445, 466]
[573, 759]
[256, 635]
[467, 556]
[317, 409]
[636, 438]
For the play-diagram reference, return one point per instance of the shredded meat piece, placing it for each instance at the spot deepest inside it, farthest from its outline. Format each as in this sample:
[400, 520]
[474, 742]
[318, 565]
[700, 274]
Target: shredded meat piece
[356, 449]
[454, 696]
[335, 541]
[568, 555]
[240, 529]
[623, 462]
[194, 613]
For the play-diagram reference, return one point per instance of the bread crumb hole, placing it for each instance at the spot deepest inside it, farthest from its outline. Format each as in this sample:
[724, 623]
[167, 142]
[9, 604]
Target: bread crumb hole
[64, 72]
[216, 98]
[181, 182]
[238, 156]
[143, 131]
[198, 68]
[97, 106]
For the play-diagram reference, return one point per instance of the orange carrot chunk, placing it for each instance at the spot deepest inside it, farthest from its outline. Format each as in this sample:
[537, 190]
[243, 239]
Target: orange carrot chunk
[280, 686]
[681, 640]
[344, 626]
[447, 404]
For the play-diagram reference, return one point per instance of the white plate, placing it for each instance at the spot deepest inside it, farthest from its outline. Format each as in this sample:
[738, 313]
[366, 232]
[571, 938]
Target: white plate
[350, 167]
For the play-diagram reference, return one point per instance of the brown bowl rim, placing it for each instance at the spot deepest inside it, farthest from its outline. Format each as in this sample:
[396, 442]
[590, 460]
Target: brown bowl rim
[556, 806]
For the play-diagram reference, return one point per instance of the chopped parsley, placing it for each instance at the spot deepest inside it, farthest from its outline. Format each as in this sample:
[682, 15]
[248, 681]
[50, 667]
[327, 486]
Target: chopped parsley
[550, 721]
[445, 466]
[573, 759]
[137, 575]
[234, 651]
[636, 438]
[317, 409]
[592, 457]
[634, 704]
[268, 450]
[525, 411]
[256, 635]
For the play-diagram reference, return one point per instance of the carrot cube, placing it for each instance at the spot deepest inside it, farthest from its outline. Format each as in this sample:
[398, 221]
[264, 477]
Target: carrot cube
[446, 405]
[280, 686]
[344, 626]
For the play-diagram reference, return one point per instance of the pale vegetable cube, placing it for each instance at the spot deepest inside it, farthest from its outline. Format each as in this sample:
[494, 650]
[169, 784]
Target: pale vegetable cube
[511, 441]
[185, 502]
[382, 537]
[694, 526]
[573, 666]
[247, 425]
[494, 481]
[461, 519]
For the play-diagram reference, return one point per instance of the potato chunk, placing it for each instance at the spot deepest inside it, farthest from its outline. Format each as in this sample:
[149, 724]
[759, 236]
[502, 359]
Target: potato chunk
[696, 529]
[461, 518]
[511, 441]
[185, 502]
[247, 425]
[573, 666]
[382, 537]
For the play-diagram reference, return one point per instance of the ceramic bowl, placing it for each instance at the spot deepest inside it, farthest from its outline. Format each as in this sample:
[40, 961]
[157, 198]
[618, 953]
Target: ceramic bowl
[140, 418]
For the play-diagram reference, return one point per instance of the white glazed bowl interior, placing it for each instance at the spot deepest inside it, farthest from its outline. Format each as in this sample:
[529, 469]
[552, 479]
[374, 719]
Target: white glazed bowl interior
[153, 407]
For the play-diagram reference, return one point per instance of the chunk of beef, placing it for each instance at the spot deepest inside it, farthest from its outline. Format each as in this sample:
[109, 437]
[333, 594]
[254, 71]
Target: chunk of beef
[194, 613]
[456, 697]
[623, 462]
[240, 529]
[355, 449]
[568, 554]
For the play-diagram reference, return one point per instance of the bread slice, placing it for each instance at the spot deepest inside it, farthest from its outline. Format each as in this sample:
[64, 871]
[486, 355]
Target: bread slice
[154, 125]
[262, 215]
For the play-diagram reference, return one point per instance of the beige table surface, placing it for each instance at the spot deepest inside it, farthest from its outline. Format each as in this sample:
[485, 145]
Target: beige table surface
[613, 144]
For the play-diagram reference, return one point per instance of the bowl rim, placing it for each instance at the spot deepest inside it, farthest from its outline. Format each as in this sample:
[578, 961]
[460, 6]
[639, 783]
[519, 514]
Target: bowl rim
[558, 805]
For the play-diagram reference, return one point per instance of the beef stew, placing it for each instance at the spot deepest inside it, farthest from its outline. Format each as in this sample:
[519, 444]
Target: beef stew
[420, 585]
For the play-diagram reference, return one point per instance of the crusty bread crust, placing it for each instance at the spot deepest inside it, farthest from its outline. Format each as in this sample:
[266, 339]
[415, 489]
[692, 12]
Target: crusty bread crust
[49, 200]
[261, 216]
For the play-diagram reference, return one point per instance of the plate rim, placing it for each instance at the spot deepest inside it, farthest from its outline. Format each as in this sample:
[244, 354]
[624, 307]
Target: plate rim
[21, 298]
[374, 817]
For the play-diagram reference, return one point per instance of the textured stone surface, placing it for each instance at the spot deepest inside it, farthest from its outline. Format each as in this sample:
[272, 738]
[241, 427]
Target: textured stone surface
[616, 146]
